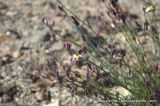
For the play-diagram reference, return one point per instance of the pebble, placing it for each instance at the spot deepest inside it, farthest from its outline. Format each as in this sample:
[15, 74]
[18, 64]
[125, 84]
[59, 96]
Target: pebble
[16, 54]
[54, 103]
[6, 59]
[121, 37]
[28, 25]
[39, 96]
[3, 5]
[13, 33]
[122, 91]
[5, 38]
[46, 37]
[40, 36]
[1, 99]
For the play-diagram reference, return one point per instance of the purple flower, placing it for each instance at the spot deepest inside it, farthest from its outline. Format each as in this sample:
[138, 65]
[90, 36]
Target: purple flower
[82, 50]
[149, 83]
[149, 9]
[112, 48]
[67, 46]
[76, 57]
[98, 34]
[123, 52]
[155, 95]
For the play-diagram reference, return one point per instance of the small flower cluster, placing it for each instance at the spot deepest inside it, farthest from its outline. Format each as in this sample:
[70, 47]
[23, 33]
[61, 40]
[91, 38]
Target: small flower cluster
[155, 95]
[155, 91]
[116, 13]
[149, 9]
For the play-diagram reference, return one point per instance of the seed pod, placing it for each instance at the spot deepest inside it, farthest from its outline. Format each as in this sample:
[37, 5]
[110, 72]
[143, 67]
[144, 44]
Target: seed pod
[86, 90]
[67, 46]
[89, 66]
[83, 38]
[61, 8]
[146, 25]
[123, 52]
[138, 25]
[75, 21]
[88, 75]
[114, 2]
[48, 23]
[82, 50]
[84, 83]
[95, 94]
[124, 17]
[67, 69]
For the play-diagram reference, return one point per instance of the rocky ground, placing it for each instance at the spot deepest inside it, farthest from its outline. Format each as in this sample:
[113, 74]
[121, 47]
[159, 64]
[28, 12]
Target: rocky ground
[27, 45]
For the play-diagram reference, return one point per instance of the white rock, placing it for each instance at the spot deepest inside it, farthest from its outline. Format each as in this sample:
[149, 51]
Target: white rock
[55, 103]
[122, 91]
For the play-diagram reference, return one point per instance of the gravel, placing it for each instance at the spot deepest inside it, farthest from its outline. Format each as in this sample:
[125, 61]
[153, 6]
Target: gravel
[26, 44]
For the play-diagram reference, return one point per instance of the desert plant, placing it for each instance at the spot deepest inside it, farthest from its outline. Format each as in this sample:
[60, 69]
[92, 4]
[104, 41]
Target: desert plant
[114, 63]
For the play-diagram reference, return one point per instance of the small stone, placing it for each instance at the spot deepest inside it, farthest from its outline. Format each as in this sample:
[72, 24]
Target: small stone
[121, 36]
[34, 87]
[46, 37]
[1, 62]
[6, 59]
[16, 54]
[43, 2]
[54, 103]
[5, 38]
[13, 33]
[109, 82]
[1, 99]
[29, 14]
[41, 36]
[39, 96]
[3, 5]
[122, 91]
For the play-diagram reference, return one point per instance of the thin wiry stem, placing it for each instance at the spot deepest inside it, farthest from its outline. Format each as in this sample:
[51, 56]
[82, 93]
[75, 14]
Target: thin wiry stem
[76, 16]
